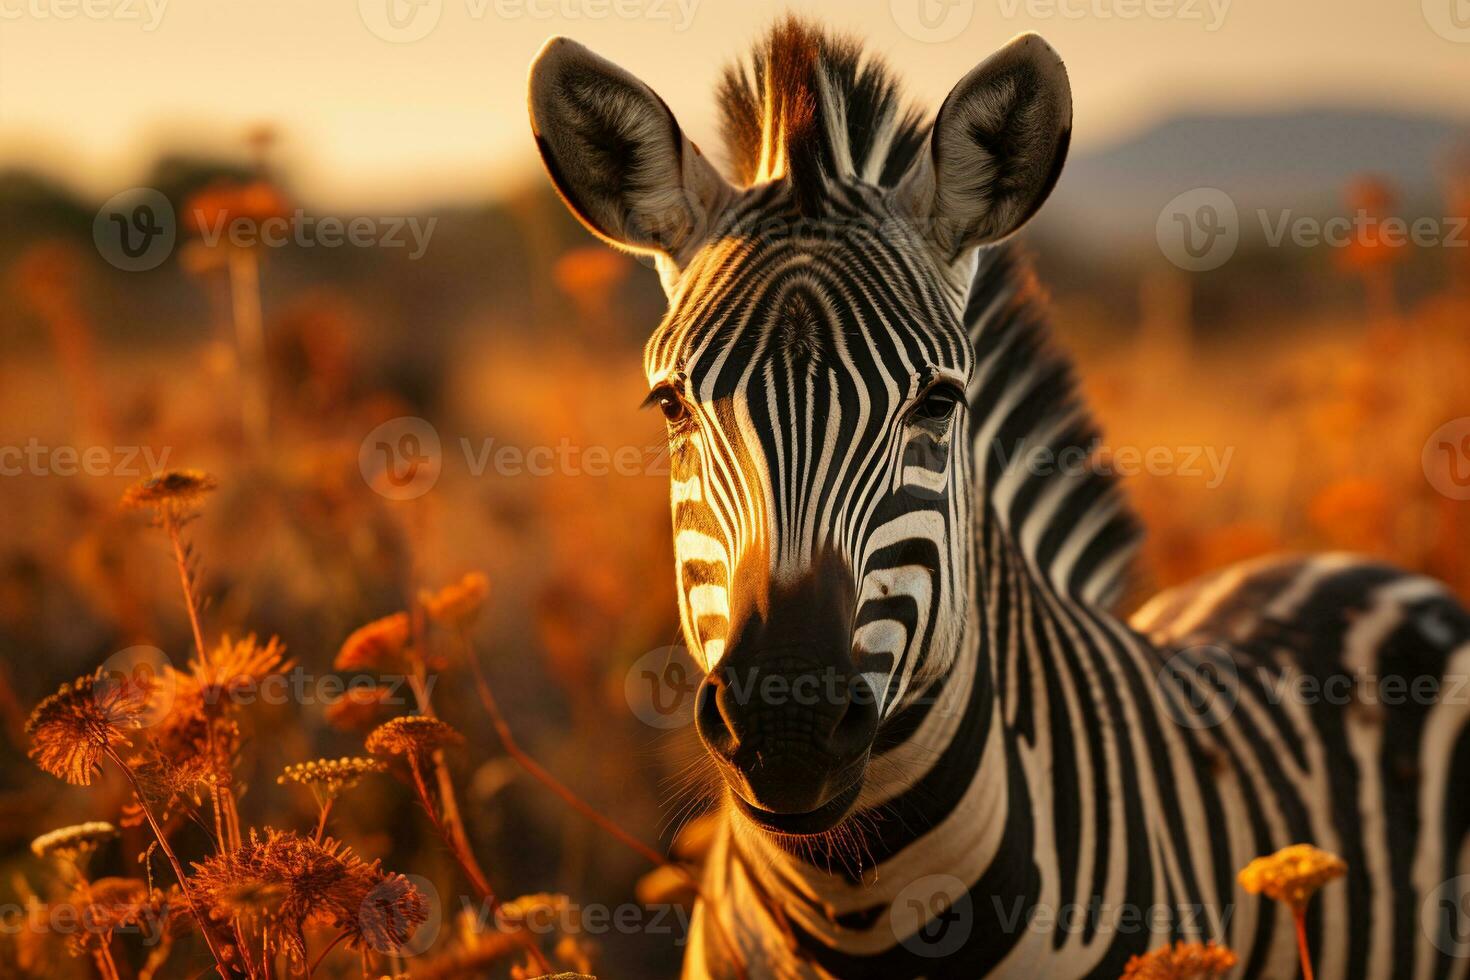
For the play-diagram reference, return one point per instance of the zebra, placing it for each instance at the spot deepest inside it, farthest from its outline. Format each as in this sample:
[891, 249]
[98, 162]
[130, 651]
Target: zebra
[940, 751]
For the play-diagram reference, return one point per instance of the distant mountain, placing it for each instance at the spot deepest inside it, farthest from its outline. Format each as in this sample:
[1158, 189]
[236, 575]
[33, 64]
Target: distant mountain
[1299, 160]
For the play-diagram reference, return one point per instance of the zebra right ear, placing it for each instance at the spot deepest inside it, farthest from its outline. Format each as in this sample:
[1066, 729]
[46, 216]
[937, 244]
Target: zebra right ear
[996, 148]
[618, 157]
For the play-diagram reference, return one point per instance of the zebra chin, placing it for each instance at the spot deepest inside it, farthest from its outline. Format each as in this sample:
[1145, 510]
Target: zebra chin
[818, 821]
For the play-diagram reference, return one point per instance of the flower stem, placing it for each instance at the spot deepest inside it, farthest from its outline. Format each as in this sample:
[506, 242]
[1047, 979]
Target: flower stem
[311, 972]
[1301, 942]
[321, 824]
[468, 864]
[171, 526]
[541, 775]
[250, 336]
[173, 859]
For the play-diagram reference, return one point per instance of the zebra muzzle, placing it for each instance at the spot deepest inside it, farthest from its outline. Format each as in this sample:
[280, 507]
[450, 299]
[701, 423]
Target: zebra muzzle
[792, 735]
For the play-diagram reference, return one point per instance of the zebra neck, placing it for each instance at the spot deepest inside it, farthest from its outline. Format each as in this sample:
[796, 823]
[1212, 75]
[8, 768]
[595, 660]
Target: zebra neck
[1036, 447]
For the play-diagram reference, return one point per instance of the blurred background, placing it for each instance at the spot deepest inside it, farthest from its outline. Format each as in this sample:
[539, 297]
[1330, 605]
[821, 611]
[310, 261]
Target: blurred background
[1258, 254]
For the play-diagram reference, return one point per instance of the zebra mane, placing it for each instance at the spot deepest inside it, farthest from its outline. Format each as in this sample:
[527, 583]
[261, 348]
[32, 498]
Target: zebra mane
[1037, 442]
[811, 107]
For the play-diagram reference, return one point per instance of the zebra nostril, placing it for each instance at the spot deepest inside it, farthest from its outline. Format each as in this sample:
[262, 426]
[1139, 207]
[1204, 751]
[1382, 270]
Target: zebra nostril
[709, 718]
[858, 725]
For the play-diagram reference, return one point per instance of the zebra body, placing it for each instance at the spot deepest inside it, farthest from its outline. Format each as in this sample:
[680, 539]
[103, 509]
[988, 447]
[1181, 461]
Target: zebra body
[993, 774]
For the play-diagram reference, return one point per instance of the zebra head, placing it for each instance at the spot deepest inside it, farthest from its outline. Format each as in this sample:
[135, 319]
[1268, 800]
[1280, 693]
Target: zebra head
[813, 369]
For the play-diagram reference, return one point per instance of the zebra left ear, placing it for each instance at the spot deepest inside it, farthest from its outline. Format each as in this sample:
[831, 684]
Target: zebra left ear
[995, 151]
[617, 156]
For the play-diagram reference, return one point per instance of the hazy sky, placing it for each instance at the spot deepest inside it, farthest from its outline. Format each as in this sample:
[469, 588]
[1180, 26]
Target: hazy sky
[371, 115]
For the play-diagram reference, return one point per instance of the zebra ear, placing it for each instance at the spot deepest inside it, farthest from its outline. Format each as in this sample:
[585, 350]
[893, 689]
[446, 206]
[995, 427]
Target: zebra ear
[996, 149]
[618, 157]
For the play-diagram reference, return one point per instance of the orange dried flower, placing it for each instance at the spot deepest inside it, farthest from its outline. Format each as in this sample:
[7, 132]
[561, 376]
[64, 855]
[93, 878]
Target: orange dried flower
[289, 880]
[232, 666]
[171, 494]
[71, 729]
[1292, 875]
[73, 843]
[1181, 961]
[412, 736]
[457, 604]
[110, 904]
[535, 911]
[376, 646]
[215, 207]
[360, 709]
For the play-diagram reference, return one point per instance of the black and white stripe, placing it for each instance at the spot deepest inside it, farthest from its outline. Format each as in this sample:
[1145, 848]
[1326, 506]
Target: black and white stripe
[1051, 789]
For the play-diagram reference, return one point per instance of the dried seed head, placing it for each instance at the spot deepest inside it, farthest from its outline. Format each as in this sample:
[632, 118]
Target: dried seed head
[291, 880]
[1292, 875]
[250, 898]
[536, 911]
[224, 202]
[71, 729]
[360, 709]
[110, 904]
[457, 604]
[171, 495]
[75, 842]
[330, 778]
[411, 736]
[1181, 961]
[232, 666]
[388, 913]
[380, 645]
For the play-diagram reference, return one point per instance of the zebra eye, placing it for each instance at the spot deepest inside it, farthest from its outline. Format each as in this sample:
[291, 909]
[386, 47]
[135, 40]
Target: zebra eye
[672, 407]
[669, 402]
[938, 403]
